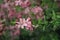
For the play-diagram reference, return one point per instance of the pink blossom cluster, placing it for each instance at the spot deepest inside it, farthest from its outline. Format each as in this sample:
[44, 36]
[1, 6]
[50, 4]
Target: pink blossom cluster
[8, 12]
[23, 3]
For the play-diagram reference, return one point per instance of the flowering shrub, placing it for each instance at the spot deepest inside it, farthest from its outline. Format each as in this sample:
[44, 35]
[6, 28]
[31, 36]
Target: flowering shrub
[29, 20]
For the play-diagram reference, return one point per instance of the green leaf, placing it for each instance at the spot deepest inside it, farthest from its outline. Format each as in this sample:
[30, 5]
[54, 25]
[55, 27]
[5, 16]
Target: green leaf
[1, 1]
[54, 15]
[18, 8]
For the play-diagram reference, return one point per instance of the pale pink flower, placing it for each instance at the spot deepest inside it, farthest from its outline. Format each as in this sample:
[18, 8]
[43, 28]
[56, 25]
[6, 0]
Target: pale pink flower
[12, 4]
[27, 10]
[21, 22]
[6, 5]
[17, 2]
[25, 23]
[11, 13]
[36, 10]
[22, 3]
[28, 19]
[2, 15]
[29, 24]
[25, 4]
[19, 15]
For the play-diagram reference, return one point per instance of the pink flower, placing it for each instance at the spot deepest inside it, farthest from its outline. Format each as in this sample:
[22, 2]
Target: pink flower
[6, 5]
[29, 24]
[25, 4]
[27, 10]
[1, 14]
[28, 19]
[25, 23]
[22, 3]
[36, 10]
[11, 13]
[21, 22]
[19, 15]
[17, 2]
